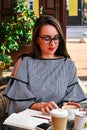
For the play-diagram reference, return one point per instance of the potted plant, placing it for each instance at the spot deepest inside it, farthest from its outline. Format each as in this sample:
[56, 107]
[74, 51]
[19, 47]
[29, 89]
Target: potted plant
[17, 31]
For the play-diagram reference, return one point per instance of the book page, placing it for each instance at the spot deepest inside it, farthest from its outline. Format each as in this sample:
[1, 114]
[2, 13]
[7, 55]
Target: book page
[27, 119]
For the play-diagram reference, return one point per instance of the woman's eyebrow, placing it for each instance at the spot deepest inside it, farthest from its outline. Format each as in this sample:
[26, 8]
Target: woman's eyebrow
[50, 35]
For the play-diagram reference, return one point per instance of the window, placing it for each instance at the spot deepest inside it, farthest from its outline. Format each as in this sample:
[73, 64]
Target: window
[31, 5]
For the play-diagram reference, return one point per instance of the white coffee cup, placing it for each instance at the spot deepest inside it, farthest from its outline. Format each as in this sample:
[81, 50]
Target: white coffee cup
[80, 121]
[72, 109]
[59, 119]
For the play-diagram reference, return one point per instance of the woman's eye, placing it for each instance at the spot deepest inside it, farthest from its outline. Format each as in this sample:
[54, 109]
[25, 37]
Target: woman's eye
[47, 39]
[56, 38]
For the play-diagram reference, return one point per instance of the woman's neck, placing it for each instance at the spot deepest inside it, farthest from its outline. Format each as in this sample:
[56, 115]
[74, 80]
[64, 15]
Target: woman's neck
[50, 57]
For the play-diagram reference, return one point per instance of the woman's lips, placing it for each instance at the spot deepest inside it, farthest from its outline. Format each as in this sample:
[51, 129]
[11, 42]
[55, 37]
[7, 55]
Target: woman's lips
[52, 48]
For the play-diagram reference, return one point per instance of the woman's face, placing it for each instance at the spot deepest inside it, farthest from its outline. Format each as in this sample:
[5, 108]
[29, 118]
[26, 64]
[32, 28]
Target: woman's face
[48, 41]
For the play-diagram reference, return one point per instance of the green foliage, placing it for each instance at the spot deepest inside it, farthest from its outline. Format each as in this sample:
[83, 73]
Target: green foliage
[17, 30]
[6, 59]
[85, 18]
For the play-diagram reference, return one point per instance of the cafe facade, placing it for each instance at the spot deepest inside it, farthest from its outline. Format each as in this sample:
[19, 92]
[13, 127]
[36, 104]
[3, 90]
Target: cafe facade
[76, 12]
[56, 8]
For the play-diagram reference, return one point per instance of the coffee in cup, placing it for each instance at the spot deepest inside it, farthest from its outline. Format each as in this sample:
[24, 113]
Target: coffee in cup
[59, 119]
[72, 109]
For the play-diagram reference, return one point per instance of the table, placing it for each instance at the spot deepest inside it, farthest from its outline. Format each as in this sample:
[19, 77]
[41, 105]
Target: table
[70, 126]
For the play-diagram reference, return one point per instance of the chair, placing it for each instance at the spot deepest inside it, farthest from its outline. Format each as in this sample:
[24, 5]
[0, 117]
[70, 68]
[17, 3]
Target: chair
[3, 104]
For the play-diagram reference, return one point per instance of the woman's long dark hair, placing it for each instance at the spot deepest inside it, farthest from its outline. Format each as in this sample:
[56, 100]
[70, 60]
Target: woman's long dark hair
[48, 20]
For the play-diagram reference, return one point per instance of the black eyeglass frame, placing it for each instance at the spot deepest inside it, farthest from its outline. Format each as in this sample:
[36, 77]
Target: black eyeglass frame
[50, 39]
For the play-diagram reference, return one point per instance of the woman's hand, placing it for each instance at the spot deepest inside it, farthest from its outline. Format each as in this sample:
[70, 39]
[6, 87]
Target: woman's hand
[77, 105]
[73, 103]
[46, 107]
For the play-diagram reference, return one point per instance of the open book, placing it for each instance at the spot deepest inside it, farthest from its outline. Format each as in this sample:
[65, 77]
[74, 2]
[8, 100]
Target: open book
[27, 119]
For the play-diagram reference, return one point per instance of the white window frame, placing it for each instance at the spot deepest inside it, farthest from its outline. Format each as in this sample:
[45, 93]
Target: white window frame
[31, 5]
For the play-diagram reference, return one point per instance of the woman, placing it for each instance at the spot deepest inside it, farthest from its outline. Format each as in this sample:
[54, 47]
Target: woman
[48, 75]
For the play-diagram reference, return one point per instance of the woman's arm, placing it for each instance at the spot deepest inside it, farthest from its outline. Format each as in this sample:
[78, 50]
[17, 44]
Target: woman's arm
[45, 107]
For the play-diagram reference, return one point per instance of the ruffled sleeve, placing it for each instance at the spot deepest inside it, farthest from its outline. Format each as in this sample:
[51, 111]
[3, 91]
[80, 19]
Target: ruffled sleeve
[17, 91]
[74, 91]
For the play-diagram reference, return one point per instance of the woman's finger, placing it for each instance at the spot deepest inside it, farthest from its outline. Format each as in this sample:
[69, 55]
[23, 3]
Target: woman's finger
[74, 103]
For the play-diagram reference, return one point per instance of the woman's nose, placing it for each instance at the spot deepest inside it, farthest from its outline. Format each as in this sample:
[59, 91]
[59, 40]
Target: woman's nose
[52, 42]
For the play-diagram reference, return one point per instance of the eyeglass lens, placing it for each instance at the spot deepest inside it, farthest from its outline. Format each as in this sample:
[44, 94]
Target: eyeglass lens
[48, 39]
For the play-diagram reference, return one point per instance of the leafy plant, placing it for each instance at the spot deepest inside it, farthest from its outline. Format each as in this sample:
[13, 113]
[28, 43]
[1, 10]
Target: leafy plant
[85, 18]
[17, 30]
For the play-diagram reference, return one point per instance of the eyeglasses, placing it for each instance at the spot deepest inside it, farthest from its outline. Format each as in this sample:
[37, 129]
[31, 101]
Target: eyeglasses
[48, 39]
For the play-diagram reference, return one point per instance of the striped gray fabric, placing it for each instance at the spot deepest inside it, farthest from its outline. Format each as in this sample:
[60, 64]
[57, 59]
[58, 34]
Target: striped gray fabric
[48, 80]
